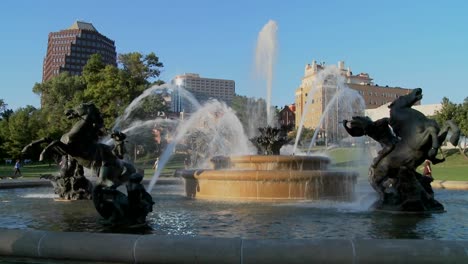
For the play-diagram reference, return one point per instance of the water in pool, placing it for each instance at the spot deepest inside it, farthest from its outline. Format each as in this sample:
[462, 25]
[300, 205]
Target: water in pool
[174, 214]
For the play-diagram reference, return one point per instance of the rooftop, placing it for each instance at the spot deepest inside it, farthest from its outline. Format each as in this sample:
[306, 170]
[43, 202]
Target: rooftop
[83, 26]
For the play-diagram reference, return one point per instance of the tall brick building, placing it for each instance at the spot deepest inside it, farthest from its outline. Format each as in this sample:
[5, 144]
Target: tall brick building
[69, 50]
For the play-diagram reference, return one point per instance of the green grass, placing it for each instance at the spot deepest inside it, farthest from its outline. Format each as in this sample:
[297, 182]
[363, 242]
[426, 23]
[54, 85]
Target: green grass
[174, 163]
[35, 170]
[455, 168]
[29, 171]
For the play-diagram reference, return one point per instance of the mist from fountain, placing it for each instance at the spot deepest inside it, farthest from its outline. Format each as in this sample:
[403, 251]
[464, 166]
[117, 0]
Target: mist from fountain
[265, 58]
[339, 97]
[155, 89]
[215, 123]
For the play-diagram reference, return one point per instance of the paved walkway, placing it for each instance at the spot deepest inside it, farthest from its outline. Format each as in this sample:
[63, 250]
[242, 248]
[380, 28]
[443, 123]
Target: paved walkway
[451, 185]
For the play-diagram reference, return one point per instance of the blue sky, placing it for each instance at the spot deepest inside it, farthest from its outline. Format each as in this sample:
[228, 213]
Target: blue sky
[399, 43]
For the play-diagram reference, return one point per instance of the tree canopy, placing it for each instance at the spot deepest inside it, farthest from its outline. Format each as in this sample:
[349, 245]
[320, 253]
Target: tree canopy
[111, 88]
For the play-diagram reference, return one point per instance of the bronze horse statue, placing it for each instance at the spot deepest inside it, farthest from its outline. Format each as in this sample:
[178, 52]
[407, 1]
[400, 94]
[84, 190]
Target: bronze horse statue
[417, 131]
[408, 138]
[82, 144]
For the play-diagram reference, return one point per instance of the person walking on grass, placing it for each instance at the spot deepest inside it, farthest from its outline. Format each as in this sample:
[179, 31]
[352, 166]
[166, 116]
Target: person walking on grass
[17, 168]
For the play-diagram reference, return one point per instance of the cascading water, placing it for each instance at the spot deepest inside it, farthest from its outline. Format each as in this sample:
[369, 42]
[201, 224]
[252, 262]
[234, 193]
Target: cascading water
[265, 57]
[340, 103]
[215, 122]
[155, 89]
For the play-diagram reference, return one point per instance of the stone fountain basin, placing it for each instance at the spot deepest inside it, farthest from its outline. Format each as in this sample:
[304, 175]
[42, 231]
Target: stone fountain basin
[270, 178]
[274, 162]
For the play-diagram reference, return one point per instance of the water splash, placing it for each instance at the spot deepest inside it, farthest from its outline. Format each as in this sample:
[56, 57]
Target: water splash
[155, 89]
[219, 131]
[340, 103]
[265, 58]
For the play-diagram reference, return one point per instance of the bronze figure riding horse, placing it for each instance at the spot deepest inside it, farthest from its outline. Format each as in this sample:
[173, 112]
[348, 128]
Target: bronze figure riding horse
[82, 144]
[408, 138]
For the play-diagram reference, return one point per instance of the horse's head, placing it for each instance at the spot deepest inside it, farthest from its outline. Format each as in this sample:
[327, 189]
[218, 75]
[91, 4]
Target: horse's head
[83, 110]
[408, 100]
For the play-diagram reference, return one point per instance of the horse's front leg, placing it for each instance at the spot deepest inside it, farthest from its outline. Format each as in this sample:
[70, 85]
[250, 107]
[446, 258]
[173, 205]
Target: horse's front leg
[452, 127]
[58, 146]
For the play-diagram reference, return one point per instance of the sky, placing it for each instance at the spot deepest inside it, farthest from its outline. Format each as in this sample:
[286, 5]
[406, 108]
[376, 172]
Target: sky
[407, 44]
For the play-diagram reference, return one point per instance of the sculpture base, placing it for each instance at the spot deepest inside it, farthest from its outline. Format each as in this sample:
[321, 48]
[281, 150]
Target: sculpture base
[409, 207]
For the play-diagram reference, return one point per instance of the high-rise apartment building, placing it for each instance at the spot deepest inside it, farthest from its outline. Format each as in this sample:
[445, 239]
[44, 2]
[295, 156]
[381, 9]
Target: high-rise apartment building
[69, 50]
[373, 95]
[203, 90]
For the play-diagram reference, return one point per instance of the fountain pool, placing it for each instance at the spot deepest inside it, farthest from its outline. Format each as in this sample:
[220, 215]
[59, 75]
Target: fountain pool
[174, 214]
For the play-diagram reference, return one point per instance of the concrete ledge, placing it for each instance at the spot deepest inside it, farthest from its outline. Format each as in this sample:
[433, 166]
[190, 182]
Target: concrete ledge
[180, 249]
[451, 185]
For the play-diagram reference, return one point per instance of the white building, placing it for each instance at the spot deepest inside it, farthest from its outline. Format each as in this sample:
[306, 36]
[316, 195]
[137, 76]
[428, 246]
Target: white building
[203, 90]
[384, 111]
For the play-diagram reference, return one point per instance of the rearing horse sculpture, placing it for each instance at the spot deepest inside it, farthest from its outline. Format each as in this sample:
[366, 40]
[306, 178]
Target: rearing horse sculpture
[418, 131]
[408, 138]
[82, 143]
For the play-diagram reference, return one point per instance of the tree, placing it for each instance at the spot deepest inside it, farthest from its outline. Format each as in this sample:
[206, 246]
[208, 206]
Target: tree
[112, 89]
[141, 68]
[107, 90]
[19, 130]
[150, 108]
[57, 95]
[447, 112]
[457, 113]
[306, 136]
[251, 113]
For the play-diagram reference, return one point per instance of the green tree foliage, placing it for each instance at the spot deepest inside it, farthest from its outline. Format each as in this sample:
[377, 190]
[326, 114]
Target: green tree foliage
[4, 115]
[447, 112]
[19, 130]
[140, 68]
[457, 113]
[108, 92]
[57, 95]
[112, 88]
[306, 136]
[151, 107]
[251, 113]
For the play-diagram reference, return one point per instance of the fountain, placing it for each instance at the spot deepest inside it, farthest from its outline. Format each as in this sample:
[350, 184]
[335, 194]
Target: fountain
[272, 176]
[304, 228]
[269, 177]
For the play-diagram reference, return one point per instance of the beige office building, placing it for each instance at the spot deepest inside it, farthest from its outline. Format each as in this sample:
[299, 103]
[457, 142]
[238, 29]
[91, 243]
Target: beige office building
[203, 89]
[372, 95]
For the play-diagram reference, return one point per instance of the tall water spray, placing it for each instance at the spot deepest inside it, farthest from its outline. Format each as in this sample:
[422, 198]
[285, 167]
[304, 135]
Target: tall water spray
[265, 58]
[339, 102]
[214, 122]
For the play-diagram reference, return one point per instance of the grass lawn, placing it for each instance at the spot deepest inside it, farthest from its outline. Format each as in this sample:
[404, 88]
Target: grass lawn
[455, 168]
[29, 171]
